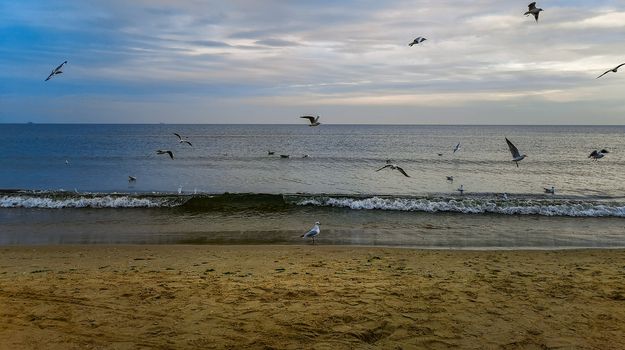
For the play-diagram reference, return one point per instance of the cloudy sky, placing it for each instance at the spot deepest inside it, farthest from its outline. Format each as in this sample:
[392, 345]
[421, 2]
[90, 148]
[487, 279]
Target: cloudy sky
[348, 61]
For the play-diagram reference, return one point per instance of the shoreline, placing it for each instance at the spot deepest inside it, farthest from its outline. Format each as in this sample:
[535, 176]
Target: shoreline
[266, 296]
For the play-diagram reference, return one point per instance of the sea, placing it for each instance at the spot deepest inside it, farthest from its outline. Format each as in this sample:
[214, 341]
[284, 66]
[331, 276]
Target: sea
[69, 184]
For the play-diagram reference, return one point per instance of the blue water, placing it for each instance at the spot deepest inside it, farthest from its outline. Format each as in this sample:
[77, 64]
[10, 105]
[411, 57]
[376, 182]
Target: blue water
[342, 159]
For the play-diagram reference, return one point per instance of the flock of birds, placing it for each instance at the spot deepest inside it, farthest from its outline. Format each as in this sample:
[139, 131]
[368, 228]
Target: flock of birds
[314, 121]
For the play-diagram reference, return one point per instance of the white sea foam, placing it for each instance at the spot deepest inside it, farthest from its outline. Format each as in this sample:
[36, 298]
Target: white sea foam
[52, 202]
[474, 206]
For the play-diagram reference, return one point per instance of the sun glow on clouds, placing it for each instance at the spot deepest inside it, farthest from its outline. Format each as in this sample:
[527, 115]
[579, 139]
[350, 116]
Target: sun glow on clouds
[275, 57]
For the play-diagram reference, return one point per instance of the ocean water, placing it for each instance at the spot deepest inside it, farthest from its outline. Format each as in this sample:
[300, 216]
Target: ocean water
[59, 179]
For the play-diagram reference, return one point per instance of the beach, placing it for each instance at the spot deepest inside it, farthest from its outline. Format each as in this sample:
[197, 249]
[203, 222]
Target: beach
[305, 296]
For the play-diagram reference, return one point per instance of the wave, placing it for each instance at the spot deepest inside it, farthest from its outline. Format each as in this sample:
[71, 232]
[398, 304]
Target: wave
[477, 204]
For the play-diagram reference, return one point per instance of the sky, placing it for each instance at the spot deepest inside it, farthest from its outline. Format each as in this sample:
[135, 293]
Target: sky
[270, 61]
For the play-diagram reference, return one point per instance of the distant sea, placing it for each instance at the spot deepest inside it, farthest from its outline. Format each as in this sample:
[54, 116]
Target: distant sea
[59, 181]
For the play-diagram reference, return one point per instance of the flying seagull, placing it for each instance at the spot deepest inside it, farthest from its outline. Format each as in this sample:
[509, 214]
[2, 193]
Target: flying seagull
[450, 179]
[417, 41]
[457, 147]
[516, 156]
[393, 167]
[131, 178]
[551, 190]
[271, 153]
[181, 140]
[56, 71]
[533, 10]
[164, 151]
[314, 121]
[615, 69]
[313, 232]
[598, 154]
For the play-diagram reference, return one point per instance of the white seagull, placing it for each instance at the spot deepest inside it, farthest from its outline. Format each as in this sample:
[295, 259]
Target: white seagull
[417, 41]
[164, 151]
[461, 189]
[313, 232]
[457, 147]
[56, 71]
[551, 190]
[533, 10]
[389, 164]
[516, 156]
[181, 140]
[614, 70]
[314, 121]
[598, 154]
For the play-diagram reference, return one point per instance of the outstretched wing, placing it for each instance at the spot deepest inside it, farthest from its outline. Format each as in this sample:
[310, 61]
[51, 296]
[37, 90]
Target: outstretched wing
[532, 6]
[179, 137]
[606, 72]
[309, 117]
[189, 143]
[402, 171]
[513, 149]
[171, 154]
[536, 15]
[593, 154]
[619, 66]
[49, 76]
[604, 151]
[384, 167]
[60, 66]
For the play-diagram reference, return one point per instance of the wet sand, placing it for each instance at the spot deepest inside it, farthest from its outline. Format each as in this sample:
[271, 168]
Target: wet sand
[321, 297]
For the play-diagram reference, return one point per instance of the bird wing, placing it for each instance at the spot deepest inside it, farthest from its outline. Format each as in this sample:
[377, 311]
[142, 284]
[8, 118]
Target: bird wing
[457, 147]
[604, 151]
[384, 167]
[179, 137]
[309, 117]
[593, 154]
[317, 119]
[188, 143]
[402, 171]
[59, 67]
[49, 76]
[619, 66]
[606, 72]
[171, 154]
[536, 15]
[513, 149]
[532, 6]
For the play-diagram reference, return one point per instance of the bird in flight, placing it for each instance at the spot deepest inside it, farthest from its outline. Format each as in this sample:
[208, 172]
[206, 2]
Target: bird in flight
[614, 70]
[389, 164]
[164, 151]
[313, 232]
[450, 179]
[56, 71]
[314, 121]
[533, 10]
[516, 156]
[598, 154]
[417, 41]
[181, 140]
[551, 190]
[131, 178]
[457, 147]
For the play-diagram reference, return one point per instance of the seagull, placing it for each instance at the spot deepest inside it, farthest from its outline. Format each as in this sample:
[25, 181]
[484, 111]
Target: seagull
[56, 71]
[440, 154]
[164, 151]
[533, 10]
[389, 164]
[551, 190]
[270, 153]
[67, 162]
[313, 232]
[450, 179]
[131, 178]
[457, 147]
[516, 156]
[284, 156]
[615, 69]
[598, 154]
[181, 140]
[305, 156]
[461, 190]
[314, 121]
[417, 41]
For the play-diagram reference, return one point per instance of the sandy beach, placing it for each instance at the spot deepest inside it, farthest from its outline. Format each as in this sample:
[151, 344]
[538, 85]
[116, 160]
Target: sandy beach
[320, 297]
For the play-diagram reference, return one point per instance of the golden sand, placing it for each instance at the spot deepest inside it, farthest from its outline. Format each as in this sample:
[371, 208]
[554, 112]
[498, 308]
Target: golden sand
[293, 297]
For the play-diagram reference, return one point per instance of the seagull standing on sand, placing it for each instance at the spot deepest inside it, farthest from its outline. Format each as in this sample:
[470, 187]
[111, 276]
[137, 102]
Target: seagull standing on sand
[417, 41]
[595, 155]
[457, 147]
[516, 156]
[461, 190]
[164, 151]
[314, 121]
[181, 140]
[313, 232]
[551, 190]
[533, 10]
[614, 70]
[389, 164]
[56, 71]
